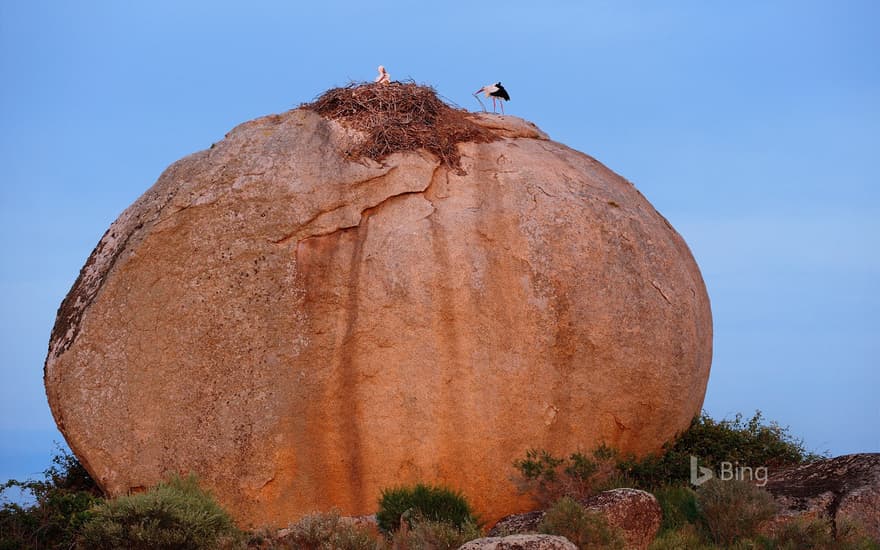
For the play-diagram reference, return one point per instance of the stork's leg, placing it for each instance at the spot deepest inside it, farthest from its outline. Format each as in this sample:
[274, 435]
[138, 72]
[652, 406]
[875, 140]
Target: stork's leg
[501, 101]
[493, 104]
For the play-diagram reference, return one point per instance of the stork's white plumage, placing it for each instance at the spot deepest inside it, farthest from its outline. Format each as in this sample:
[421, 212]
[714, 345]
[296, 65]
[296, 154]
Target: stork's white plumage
[496, 92]
[384, 77]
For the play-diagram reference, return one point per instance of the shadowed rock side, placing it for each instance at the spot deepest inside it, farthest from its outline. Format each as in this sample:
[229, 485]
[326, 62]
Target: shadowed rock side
[303, 330]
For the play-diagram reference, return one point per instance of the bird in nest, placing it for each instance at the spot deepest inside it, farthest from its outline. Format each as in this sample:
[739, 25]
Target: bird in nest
[384, 77]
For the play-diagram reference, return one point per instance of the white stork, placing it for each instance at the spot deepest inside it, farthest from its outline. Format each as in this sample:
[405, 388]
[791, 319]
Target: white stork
[496, 92]
[384, 77]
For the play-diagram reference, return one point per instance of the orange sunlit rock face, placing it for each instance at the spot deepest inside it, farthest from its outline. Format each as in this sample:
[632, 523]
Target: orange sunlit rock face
[303, 329]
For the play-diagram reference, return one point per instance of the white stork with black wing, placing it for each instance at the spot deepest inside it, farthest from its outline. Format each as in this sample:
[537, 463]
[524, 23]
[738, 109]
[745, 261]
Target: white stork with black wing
[496, 92]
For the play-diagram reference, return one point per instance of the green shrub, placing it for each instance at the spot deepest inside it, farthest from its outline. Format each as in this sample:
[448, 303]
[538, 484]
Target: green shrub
[175, 514]
[679, 506]
[433, 535]
[733, 509]
[422, 502]
[328, 532]
[751, 442]
[686, 537]
[550, 478]
[539, 474]
[587, 530]
[818, 534]
[799, 534]
[61, 503]
[853, 536]
[796, 534]
[756, 543]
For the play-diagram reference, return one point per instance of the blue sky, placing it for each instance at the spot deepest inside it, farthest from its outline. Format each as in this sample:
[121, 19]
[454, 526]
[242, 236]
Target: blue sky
[752, 126]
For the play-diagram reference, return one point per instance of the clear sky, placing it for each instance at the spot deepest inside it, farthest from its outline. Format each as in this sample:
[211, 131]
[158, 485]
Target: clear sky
[752, 126]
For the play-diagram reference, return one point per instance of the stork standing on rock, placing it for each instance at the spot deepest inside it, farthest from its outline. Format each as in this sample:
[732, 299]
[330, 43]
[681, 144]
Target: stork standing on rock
[496, 92]
[384, 77]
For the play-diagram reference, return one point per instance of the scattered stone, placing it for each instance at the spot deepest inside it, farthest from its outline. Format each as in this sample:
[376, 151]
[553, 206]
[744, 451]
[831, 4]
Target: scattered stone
[517, 524]
[636, 513]
[520, 542]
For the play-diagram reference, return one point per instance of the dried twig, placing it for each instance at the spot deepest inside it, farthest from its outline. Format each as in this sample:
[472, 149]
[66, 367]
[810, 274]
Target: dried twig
[401, 117]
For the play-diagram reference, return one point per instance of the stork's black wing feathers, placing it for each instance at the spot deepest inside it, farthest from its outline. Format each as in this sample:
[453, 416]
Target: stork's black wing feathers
[500, 92]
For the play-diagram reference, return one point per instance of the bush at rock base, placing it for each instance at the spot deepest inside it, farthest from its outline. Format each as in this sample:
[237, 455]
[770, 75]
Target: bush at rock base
[729, 514]
[754, 442]
[64, 500]
[550, 478]
[819, 534]
[587, 530]
[734, 509]
[61, 503]
[805, 534]
[686, 537]
[433, 535]
[422, 502]
[327, 532]
[853, 536]
[174, 514]
[679, 505]
[798, 534]
[330, 531]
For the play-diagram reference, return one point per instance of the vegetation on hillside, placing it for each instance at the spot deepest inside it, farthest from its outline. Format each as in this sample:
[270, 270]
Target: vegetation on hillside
[174, 514]
[407, 504]
[588, 530]
[68, 510]
[753, 442]
[748, 442]
[718, 514]
[61, 503]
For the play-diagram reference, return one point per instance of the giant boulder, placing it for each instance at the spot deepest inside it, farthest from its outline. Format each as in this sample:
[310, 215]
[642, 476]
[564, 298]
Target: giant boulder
[302, 325]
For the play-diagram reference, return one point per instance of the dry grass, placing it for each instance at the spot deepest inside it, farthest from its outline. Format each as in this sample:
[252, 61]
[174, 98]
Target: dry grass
[400, 117]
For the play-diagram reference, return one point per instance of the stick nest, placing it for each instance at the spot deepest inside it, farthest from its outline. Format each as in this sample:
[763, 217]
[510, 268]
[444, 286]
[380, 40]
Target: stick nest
[400, 117]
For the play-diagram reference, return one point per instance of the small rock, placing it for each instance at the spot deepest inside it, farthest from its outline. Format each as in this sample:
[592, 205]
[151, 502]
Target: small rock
[517, 524]
[520, 542]
[636, 513]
